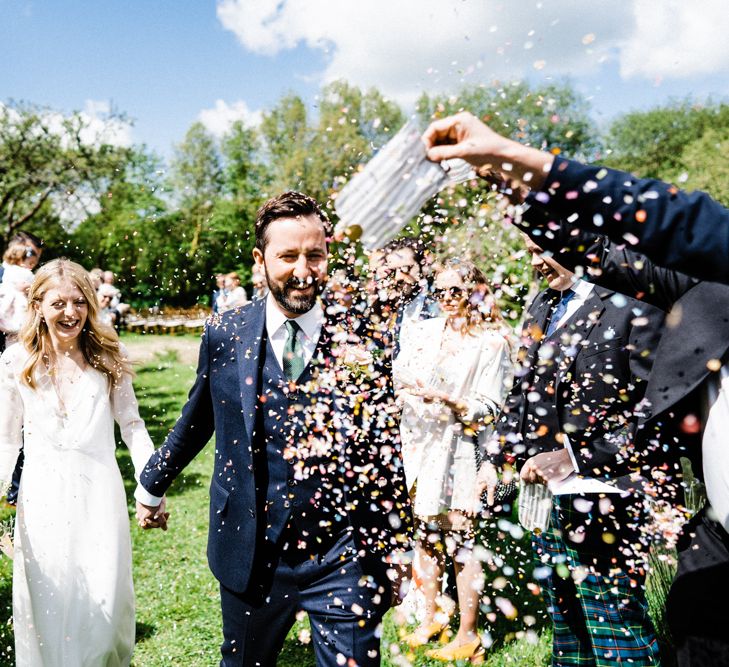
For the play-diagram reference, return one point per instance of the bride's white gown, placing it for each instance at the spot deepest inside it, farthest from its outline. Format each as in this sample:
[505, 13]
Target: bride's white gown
[73, 599]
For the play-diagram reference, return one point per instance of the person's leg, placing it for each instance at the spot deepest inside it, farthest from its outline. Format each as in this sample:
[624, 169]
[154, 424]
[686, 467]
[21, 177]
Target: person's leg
[571, 640]
[469, 585]
[345, 605]
[604, 557]
[432, 566]
[431, 558]
[254, 628]
[12, 495]
[696, 609]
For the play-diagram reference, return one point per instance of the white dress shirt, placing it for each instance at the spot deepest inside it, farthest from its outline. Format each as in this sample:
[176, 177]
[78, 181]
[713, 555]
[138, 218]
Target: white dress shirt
[582, 290]
[310, 324]
[713, 445]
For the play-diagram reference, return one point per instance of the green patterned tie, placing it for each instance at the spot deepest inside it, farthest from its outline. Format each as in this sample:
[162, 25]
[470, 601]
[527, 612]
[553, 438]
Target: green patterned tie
[293, 356]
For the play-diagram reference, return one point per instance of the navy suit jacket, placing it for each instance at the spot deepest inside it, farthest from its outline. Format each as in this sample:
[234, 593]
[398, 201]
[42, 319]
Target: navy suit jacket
[225, 398]
[685, 231]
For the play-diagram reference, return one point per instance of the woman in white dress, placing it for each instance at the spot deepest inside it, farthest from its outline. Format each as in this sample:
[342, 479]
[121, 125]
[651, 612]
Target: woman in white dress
[452, 373]
[62, 386]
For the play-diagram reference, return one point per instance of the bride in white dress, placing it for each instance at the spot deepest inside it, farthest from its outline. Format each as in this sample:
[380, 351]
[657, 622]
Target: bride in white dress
[62, 386]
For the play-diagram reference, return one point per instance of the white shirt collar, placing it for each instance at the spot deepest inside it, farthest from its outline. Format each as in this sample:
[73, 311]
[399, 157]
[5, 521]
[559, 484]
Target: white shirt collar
[582, 288]
[310, 322]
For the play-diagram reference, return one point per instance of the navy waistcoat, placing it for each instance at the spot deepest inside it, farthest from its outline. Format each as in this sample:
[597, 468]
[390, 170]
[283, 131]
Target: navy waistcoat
[302, 472]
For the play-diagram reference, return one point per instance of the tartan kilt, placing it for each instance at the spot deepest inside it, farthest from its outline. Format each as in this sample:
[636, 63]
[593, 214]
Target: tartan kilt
[589, 567]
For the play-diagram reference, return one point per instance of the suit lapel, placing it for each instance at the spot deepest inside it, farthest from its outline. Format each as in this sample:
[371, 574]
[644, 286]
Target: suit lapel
[696, 335]
[250, 354]
[537, 320]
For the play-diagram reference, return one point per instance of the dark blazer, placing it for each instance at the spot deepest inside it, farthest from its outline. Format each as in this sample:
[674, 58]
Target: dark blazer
[695, 338]
[225, 398]
[600, 378]
[685, 231]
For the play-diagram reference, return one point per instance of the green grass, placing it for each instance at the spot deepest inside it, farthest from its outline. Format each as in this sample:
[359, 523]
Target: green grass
[178, 614]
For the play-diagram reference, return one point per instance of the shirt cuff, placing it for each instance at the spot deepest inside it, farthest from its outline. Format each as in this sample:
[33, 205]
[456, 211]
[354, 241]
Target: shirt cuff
[568, 447]
[145, 497]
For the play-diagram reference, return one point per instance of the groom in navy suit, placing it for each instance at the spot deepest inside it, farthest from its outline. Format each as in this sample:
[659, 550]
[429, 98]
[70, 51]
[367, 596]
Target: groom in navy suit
[307, 500]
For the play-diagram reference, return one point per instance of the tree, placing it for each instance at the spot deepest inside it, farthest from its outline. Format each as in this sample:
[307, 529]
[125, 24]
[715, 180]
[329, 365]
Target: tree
[468, 220]
[123, 236]
[704, 165]
[197, 177]
[352, 125]
[286, 134]
[553, 117]
[44, 155]
[652, 143]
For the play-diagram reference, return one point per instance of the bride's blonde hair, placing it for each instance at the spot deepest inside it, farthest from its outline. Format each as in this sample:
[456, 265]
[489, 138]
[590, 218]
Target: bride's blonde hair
[98, 343]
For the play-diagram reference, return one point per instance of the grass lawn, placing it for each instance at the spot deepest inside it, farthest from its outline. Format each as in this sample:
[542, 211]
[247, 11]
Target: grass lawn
[178, 615]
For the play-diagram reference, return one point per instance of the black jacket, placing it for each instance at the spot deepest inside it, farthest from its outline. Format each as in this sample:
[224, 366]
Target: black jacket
[601, 376]
[694, 342]
[686, 231]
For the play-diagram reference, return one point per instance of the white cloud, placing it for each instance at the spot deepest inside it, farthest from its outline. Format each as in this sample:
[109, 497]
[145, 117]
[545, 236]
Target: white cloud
[675, 39]
[408, 46]
[103, 129]
[221, 117]
[97, 125]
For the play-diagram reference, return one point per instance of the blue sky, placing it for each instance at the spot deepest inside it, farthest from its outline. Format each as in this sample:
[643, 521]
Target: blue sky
[167, 63]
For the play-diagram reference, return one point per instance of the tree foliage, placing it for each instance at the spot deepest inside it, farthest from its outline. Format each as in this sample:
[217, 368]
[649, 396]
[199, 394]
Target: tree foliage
[45, 155]
[166, 230]
[658, 143]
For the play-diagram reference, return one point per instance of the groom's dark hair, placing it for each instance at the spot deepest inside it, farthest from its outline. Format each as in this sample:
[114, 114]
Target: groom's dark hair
[290, 204]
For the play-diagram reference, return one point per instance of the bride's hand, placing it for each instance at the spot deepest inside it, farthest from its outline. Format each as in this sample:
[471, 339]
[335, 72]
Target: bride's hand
[152, 517]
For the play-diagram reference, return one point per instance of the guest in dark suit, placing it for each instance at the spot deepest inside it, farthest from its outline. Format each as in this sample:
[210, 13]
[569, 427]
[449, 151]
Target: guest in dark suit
[401, 290]
[307, 498]
[678, 419]
[219, 288]
[581, 370]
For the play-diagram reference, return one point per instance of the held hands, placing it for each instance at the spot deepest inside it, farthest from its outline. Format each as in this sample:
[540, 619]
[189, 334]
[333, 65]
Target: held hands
[152, 517]
[547, 467]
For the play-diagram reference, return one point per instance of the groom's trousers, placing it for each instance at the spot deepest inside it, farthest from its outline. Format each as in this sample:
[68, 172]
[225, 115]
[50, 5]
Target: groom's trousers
[344, 606]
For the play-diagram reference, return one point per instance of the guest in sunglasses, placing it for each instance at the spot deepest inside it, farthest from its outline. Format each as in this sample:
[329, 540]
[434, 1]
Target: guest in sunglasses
[452, 373]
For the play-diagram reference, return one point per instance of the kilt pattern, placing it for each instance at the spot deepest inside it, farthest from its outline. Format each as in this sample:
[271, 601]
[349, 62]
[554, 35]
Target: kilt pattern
[595, 598]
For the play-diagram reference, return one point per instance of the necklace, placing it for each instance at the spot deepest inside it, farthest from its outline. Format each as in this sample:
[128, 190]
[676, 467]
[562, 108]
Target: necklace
[60, 377]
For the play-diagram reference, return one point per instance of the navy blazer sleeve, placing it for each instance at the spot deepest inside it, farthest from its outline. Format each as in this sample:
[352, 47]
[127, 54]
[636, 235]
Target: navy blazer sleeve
[687, 231]
[190, 434]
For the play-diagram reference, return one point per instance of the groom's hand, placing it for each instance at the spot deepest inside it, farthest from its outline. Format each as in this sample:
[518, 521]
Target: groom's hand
[152, 517]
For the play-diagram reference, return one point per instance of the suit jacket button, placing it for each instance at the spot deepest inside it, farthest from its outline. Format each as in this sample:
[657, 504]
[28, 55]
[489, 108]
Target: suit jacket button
[291, 482]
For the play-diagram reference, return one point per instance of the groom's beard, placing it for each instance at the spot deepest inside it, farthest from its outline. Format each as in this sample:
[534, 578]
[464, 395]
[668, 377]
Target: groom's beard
[294, 303]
